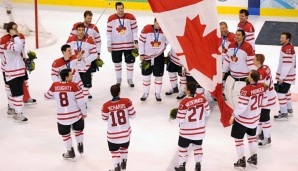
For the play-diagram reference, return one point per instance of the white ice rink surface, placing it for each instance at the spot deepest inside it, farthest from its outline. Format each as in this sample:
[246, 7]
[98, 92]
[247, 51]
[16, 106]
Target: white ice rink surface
[37, 146]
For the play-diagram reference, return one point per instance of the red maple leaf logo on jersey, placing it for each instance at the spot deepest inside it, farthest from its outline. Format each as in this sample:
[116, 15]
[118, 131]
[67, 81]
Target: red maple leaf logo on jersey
[198, 50]
[119, 29]
[153, 42]
[76, 51]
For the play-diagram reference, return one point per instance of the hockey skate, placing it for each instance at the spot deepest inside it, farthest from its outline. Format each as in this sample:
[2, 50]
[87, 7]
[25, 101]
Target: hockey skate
[80, 148]
[144, 97]
[265, 142]
[240, 164]
[130, 83]
[19, 117]
[116, 168]
[181, 167]
[181, 96]
[253, 160]
[90, 96]
[281, 116]
[10, 111]
[198, 166]
[70, 154]
[30, 101]
[172, 91]
[290, 112]
[119, 80]
[157, 97]
[123, 164]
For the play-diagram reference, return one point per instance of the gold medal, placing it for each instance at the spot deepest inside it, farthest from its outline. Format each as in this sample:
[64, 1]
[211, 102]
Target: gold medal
[122, 31]
[234, 59]
[223, 51]
[155, 44]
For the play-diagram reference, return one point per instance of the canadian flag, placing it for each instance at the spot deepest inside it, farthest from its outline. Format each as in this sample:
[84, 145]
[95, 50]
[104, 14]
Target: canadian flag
[191, 27]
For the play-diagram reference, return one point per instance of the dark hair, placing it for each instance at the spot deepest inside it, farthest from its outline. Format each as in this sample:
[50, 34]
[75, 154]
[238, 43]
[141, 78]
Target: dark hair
[119, 4]
[87, 12]
[254, 75]
[244, 11]
[80, 26]
[115, 90]
[242, 32]
[288, 35]
[155, 20]
[223, 23]
[192, 87]
[9, 26]
[64, 47]
[260, 58]
[64, 73]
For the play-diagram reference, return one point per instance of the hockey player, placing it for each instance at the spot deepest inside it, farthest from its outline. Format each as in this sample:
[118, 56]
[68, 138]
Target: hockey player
[192, 114]
[71, 111]
[68, 61]
[90, 30]
[239, 61]
[122, 38]
[285, 76]
[83, 46]
[247, 27]
[14, 70]
[152, 46]
[226, 39]
[246, 117]
[174, 67]
[117, 112]
[264, 127]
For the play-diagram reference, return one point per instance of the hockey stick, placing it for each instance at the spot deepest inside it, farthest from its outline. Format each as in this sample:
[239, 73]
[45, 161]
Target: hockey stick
[101, 14]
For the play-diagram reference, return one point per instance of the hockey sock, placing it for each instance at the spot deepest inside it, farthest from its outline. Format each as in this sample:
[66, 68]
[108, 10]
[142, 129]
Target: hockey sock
[266, 129]
[18, 104]
[85, 93]
[259, 128]
[68, 141]
[118, 70]
[173, 79]
[182, 84]
[239, 148]
[115, 157]
[9, 97]
[79, 136]
[289, 102]
[129, 71]
[282, 102]
[198, 153]
[146, 83]
[252, 144]
[158, 84]
[123, 153]
[182, 155]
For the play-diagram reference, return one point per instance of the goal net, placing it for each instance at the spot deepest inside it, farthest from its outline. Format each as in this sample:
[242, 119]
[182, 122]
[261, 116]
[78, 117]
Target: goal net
[28, 20]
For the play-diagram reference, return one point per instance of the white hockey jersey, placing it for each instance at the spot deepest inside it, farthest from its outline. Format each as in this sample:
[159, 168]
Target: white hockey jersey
[249, 30]
[88, 49]
[225, 42]
[92, 31]
[252, 98]
[148, 45]
[239, 61]
[70, 101]
[73, 64]
[191, 116]
[117, 114]
[174, 58]
[12, 56]
[287, 64]
[122, 32]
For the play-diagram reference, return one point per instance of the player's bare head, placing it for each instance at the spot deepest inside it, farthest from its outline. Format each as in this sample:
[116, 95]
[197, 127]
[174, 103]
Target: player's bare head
[240, 35]
[156, 24]
[254, 76]
[243, 15]
[80, 30]
[119, 8]
[88, 17]
[115, 90]
[259, 59]
[285, 37]
[191, 88]
[65, 74]
[11, 26]
[223, 28]
[66, 50]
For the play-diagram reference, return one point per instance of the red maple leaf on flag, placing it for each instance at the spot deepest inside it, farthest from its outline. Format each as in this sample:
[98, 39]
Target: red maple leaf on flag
[197, 49]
